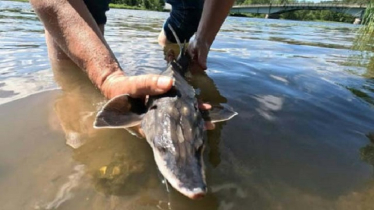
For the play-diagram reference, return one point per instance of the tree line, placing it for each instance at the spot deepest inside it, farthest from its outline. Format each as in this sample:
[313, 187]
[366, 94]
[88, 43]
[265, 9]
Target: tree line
[324, 15]
[246, 2]
[142, 4]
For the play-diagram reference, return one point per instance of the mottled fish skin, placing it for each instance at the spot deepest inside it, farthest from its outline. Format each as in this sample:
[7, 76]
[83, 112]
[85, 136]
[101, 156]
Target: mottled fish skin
[174, 128]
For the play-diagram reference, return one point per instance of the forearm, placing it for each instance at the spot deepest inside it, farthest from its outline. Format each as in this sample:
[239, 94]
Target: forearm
[77, 34]
[213, 16]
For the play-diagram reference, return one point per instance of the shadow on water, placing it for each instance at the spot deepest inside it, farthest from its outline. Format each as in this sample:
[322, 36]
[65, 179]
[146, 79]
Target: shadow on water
[119, 163]
[367, 152]
[112, 157]
[363, 95]
[208, 93]
[364, 90]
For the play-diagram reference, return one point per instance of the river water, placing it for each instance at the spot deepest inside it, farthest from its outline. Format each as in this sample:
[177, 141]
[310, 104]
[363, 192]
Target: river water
[301, 139]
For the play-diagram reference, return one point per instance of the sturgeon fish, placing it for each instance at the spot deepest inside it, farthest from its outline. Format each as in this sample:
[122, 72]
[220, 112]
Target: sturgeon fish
[172, 124]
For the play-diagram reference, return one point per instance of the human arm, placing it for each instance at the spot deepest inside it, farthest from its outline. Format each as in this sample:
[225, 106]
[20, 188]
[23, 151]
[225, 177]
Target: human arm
[70, 25]
[213, 16]
[73, 29]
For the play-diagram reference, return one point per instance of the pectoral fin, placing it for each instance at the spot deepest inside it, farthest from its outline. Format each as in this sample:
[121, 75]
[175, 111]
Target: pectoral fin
[219, 113]
[120, 112]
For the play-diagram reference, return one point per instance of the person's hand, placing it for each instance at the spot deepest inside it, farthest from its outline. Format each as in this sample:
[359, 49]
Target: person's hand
[136, 86]
[142, 86]
[198, 50]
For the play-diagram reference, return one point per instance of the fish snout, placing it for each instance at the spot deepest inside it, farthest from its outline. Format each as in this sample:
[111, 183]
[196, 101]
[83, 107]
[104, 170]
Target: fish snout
[195, 193]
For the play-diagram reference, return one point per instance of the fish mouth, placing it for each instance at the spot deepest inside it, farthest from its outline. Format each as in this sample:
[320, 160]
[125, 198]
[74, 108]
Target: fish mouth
[191, 187]
[192, 193]
[195, 193]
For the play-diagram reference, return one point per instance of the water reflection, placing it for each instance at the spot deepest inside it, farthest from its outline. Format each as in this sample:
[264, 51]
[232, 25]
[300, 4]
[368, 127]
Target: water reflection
[370, 69]
[362, 89]
[208, 93]
[118, 162]
[362, 95]
[367, 152]
[76, 109]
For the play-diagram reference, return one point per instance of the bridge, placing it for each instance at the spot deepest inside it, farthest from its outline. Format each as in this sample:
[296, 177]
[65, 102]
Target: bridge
[274, 10]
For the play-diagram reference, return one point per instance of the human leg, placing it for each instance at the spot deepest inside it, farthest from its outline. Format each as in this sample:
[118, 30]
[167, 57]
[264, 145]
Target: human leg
[184, 19]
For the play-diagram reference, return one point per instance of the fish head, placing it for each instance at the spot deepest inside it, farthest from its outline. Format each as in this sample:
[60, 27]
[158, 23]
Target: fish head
[175, 131]
[174, 128]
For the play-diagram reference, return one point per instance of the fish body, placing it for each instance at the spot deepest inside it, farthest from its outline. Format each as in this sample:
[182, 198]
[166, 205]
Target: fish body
[173, 126]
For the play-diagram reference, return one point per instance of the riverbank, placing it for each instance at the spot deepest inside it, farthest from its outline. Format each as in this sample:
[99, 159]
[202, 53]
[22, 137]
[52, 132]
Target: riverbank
[248, 15]
[320, 16]
[114, 6]
[124, 6]
[306, 15]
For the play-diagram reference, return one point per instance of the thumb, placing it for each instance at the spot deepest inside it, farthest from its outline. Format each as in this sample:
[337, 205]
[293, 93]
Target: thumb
[136, 86]
[143, 85]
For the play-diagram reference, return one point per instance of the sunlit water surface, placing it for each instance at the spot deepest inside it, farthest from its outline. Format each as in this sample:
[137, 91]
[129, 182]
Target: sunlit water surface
[299, 142]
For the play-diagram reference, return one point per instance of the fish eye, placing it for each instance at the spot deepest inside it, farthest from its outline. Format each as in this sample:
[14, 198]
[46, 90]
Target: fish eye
[162, 149]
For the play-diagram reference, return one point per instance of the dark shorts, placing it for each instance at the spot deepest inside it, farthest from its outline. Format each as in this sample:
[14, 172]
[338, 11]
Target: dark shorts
[97, 9]
[184, 16]
[184, 19]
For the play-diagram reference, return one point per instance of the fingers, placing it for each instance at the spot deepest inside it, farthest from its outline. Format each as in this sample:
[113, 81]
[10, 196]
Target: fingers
[139, 86]
[136, 131]
[199, 53]
[209, 125]
[169, 55]
[202, 63]
[201, 58]
[204, 106]
[136, 86]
